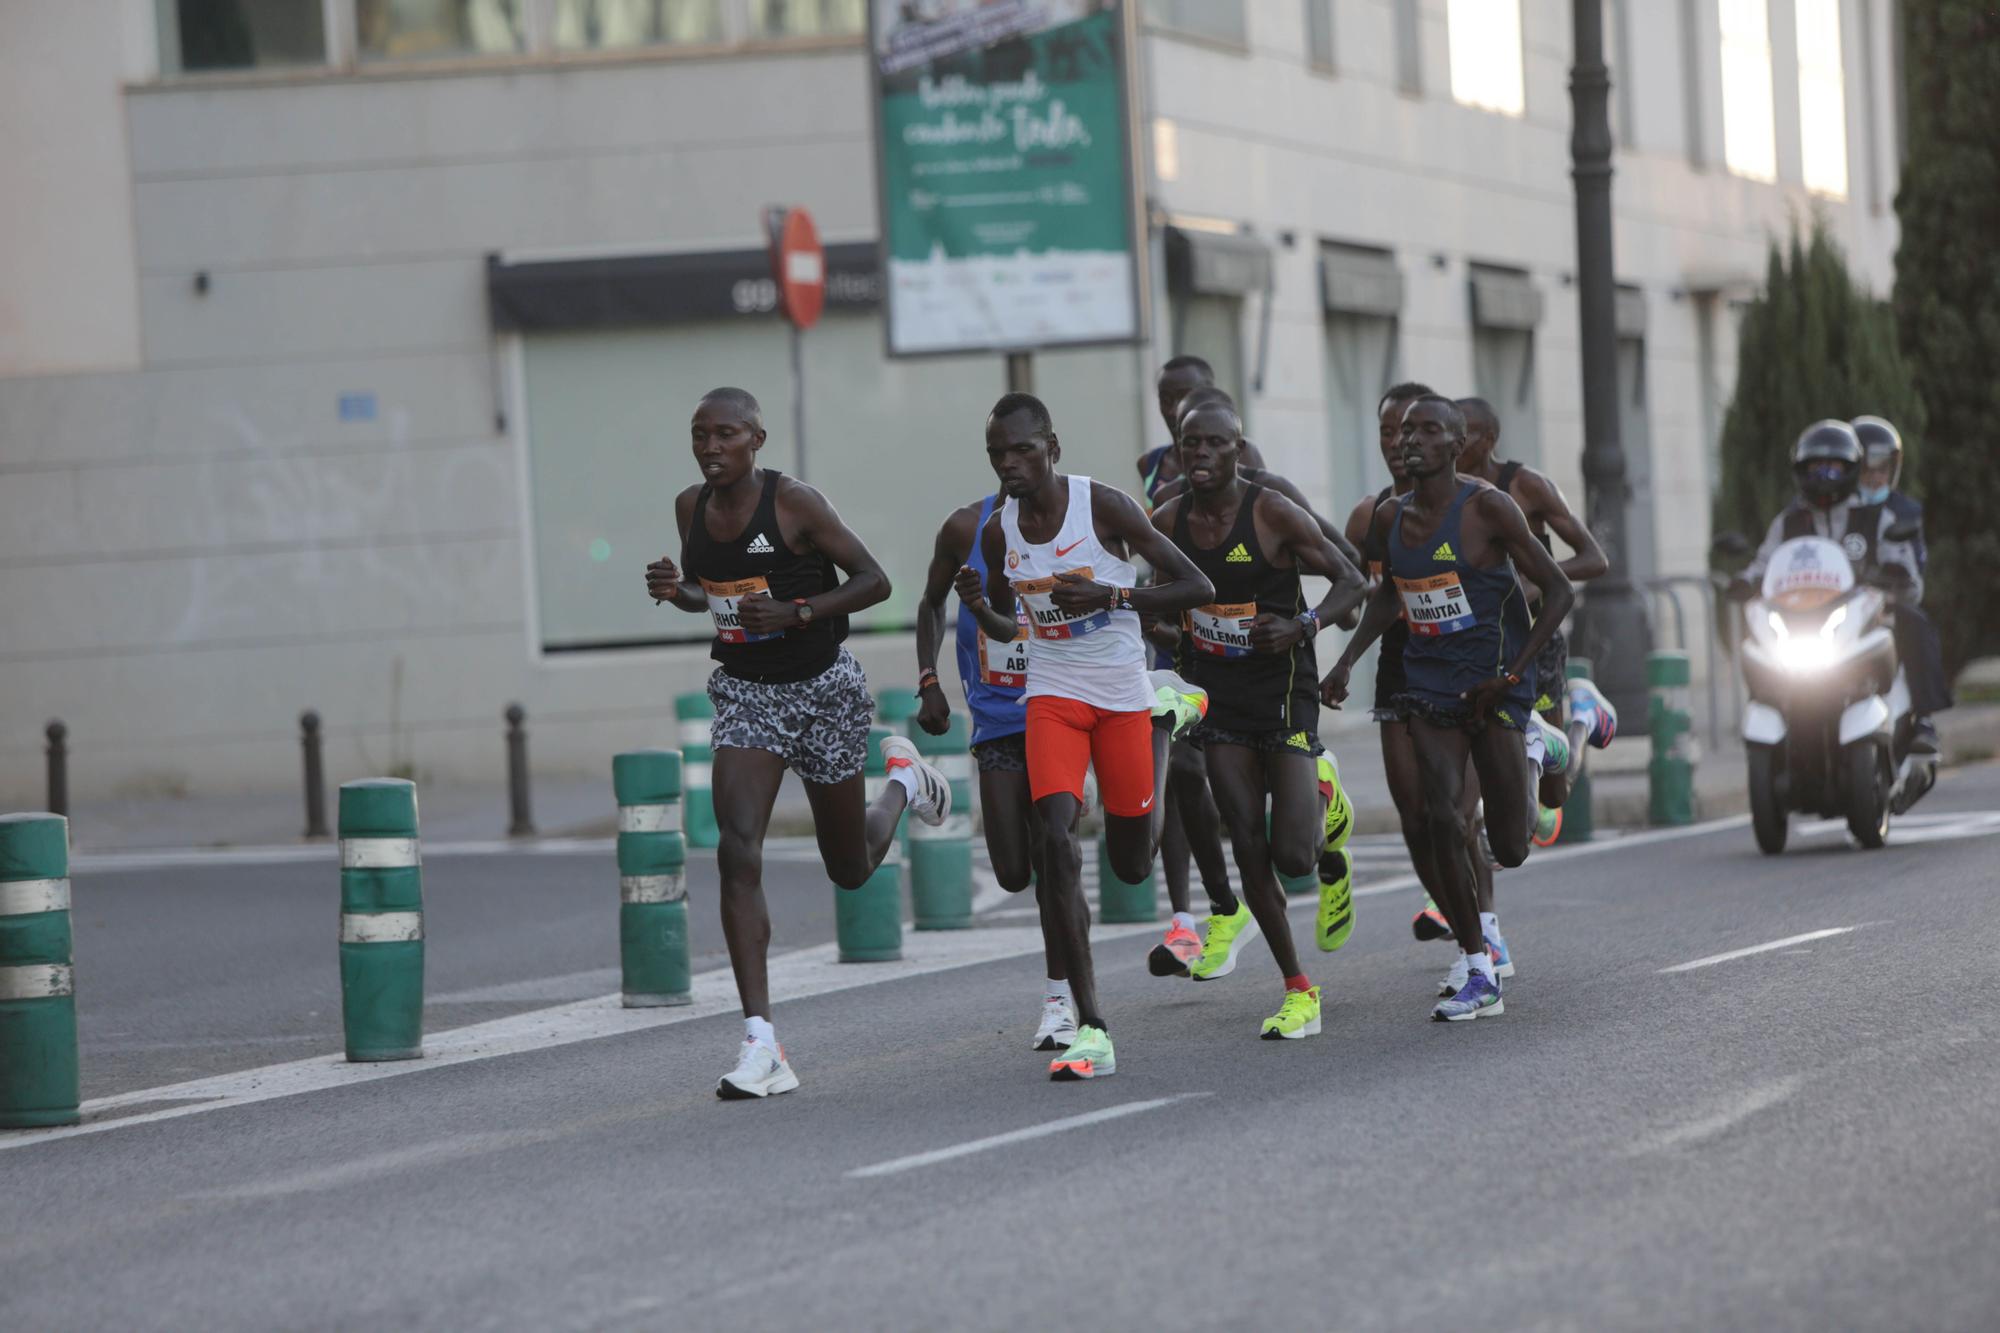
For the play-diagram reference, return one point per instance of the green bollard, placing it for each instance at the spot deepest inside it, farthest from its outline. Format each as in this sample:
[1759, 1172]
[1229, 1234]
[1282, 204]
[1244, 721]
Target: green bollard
[941, 857]
[1578, 826]
[1119, 902]
[1670, 771]
[868, 921]
[381, 921]
[697, 717]
[39, 1083]
[653, 953]
[897, 709]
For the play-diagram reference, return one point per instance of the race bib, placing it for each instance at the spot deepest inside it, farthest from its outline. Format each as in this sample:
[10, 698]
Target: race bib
[1050, 621]
[1222, 629]
[1436, 605]
[725, 605]
[1005, 665]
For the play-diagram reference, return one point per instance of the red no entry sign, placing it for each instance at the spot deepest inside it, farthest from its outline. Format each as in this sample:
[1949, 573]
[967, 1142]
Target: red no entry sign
[798, 263]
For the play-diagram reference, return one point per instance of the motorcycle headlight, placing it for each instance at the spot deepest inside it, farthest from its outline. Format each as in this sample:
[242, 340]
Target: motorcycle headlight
[1777, 624]
[1805, 653]
[1834, 621]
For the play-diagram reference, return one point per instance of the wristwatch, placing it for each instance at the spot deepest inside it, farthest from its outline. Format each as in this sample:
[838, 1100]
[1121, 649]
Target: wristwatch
[1121, 599]
[1310, 619]
[805, 610]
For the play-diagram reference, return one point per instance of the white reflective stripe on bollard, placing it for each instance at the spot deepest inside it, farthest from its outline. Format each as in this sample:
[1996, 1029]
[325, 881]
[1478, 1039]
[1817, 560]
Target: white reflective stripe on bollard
[697, 731]
[37, 981]
[650, 818]
[699, 775]
[378, 853]
[20, 897]
[954, 826]
[652, 888]
[381, 927]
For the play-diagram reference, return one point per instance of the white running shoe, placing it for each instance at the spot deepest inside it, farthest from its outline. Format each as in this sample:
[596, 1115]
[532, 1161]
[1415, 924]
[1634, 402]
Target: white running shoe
[1058, 1027]
[1454, 980]
[932, 801]
[761, 1071]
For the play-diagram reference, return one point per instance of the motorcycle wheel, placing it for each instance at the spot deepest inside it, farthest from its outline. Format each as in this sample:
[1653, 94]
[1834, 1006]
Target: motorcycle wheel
[1767, 813]
[1867, 795]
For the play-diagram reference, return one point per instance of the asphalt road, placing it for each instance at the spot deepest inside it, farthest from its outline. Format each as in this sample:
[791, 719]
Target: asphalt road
[1802, 1136]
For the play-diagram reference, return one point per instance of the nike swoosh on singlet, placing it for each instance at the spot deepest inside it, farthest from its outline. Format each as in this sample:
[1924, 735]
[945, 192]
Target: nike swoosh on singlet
[1062, 551]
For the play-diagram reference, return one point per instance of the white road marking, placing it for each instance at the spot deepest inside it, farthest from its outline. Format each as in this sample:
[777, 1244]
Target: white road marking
[1760, 1098]
[1042, 1131]
[1784, 943]
[546, 990]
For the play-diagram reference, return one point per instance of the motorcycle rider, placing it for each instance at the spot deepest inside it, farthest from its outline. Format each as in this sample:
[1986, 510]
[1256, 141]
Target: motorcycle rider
[1827, 464]
[1916, 636]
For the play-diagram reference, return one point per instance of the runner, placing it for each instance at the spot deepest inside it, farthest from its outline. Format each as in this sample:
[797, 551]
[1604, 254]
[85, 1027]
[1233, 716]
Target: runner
[1060, 543]
[1251, 651]
[1180, 376]
[763, 553]
[1451, 548]
[1543, 505]
[993, 674]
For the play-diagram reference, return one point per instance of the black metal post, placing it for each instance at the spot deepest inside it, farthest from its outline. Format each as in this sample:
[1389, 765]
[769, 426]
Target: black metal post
[1611, 616]
[315, 775]
[1020, 372]
[519, 823]
[58, 768]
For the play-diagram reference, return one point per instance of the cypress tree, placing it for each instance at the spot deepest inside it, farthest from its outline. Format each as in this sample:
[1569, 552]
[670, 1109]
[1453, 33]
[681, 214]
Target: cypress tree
[1947, 304]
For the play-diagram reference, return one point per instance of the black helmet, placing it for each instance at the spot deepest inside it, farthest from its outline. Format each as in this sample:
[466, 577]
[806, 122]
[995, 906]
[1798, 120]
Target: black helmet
[1880, 442]
[1826, 462]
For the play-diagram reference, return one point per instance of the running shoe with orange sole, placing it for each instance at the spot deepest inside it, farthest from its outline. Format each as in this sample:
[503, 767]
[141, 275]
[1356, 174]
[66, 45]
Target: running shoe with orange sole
[1171, 956]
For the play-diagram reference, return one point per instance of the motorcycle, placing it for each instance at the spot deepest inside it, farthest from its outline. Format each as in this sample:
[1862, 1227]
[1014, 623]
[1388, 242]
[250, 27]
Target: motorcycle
[1828, 726]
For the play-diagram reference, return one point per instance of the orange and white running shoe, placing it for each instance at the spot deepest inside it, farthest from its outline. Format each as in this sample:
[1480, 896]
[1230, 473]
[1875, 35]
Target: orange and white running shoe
[1089, 1056]
[1430, 924]
[1171, 956]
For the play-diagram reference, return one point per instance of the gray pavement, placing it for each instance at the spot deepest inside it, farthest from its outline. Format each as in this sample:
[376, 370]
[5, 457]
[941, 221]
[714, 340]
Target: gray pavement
[1801, 1136]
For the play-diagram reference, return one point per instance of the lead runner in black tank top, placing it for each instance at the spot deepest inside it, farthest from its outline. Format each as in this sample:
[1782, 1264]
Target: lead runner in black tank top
[757, 559]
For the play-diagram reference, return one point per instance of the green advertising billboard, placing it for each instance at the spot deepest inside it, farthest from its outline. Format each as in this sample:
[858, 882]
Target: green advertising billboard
[1005, 168]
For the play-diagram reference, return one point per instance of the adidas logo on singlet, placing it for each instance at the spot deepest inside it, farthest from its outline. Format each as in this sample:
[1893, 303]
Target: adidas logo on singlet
[759, 545]
[1444, 552]
[1239, 556]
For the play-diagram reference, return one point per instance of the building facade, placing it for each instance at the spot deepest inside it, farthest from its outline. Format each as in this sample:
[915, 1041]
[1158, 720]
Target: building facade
[323, 382]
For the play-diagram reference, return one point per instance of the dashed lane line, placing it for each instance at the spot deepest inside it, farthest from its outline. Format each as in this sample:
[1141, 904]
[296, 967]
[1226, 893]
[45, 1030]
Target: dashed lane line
[1784, 943]
[897, 1165]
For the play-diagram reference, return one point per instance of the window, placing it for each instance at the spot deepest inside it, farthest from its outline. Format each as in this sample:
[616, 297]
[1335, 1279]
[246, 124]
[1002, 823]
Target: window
[1319, 34]
[1409, 48]
[597, 25]
[807, 18]
[428, 29]
[1822, 98]
[1484, 39]
[201, 35]
[1749, 138]
[1217, 20]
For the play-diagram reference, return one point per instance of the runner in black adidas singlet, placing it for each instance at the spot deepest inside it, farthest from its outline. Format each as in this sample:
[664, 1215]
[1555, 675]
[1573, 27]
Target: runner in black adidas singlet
[1450, 549]
[763, 554]
[1251, 649]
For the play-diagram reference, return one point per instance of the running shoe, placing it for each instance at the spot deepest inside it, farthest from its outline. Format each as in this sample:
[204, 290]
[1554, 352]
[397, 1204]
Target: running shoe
[932, 800]
[1336, 901]
[1171, 956]
[1174, 698]
[1496, 949]
[1339, 810]
[1588, 706]
[761, 1071]
[1219, 947]
[1297, 1017]
[1430, 924]
[1555, 744]
[1479, 998]
[1455, 976]
[1089, 1056]
[1058, 1027]
[1548, 825]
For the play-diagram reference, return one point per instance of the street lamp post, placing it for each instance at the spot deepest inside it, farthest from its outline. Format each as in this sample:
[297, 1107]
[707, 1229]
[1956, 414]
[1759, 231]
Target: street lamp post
[1611, 617]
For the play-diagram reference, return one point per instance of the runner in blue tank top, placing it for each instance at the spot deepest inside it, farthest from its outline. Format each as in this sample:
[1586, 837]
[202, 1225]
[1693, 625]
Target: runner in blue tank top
[992, 675]
[1450, 548]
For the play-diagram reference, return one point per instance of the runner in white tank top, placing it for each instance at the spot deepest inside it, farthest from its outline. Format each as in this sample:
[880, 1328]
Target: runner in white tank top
[1058, 547]
[1094, 657]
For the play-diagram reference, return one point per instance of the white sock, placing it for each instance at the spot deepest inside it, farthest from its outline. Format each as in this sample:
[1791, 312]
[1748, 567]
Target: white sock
[1489, 923]
[1184, 919]
[1058, 990]
[1481, 963]
[760, 1030]
[907, 775]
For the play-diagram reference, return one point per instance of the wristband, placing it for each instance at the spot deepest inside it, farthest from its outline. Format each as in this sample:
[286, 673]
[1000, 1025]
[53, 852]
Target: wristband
[1511, 678]
[926, 678]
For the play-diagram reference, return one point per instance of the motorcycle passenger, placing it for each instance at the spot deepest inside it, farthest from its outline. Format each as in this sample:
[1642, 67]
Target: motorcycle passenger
[1916, 636]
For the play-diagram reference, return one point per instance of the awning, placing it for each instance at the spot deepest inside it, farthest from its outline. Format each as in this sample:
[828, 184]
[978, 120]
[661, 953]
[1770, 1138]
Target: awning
[1502, 300]
[1214, 263]
[637, 290]
[1357, 281]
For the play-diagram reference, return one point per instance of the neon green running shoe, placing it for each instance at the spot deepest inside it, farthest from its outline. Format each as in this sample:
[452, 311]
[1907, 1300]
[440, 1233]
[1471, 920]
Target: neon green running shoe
[1174, 698]
[1219, 941]
[1548, 825]
[1336, 902]
[1297, 1017]
[1089, 1056]
[1339, 810]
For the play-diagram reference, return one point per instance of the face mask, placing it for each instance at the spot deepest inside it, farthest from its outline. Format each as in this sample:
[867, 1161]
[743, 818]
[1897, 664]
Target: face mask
[1870, 495]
